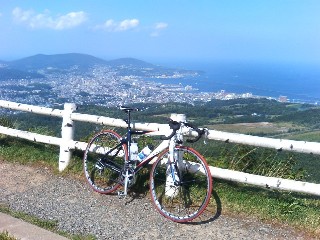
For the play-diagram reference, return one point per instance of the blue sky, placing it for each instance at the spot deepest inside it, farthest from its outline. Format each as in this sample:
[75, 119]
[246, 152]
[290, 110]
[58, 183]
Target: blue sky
[163, 30]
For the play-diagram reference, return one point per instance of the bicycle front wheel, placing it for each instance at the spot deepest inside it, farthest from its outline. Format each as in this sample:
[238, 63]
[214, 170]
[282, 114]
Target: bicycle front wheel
[181, 190]
[103, 161]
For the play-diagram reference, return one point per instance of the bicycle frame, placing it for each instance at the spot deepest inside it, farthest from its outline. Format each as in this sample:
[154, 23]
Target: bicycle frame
[171, 143]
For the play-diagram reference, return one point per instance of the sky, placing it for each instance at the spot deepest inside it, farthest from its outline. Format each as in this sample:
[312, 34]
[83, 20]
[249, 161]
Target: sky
[163, 30]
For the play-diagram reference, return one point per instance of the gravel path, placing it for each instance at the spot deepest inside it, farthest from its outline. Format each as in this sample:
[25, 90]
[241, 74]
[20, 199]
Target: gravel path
[81, 211]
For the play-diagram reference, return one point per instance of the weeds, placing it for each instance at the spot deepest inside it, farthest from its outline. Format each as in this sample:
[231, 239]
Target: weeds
[49, 225]
[6, 236]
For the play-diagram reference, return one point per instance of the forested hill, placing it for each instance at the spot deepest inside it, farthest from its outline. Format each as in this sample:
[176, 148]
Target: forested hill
[58, 61]
[308, 117]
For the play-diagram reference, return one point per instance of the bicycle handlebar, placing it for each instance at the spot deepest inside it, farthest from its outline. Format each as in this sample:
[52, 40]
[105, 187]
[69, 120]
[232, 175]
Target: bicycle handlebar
[174, 125]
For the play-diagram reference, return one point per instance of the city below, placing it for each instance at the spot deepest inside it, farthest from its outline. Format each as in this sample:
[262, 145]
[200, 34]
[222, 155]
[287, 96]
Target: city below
[126, 82]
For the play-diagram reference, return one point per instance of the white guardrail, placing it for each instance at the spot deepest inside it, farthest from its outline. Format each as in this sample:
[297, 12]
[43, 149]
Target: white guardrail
[67, 144]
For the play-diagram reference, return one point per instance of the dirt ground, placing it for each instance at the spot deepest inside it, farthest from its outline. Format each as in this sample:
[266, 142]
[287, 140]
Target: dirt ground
[21, 184]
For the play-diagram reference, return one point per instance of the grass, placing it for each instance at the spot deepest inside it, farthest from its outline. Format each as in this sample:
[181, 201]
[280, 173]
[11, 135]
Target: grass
[311, 136]
[46, 224]
[49, 225]
[297, 210]
[259, 128]
[30, 153]
[26, 152]
[6, 236]
[283, 130]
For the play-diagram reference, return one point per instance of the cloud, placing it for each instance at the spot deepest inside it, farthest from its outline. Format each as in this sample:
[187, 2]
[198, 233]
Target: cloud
[161, 25]
[45, 20]
[112, 26]
[158, 28]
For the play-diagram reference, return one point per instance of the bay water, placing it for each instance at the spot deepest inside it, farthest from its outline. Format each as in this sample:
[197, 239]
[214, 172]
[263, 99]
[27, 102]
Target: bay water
[298, 82]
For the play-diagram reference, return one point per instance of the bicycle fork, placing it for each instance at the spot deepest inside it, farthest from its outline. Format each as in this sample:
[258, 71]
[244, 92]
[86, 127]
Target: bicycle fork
[172, 178]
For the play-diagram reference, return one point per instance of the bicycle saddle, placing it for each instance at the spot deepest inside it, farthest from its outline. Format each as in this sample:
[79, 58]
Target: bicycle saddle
[128, 109]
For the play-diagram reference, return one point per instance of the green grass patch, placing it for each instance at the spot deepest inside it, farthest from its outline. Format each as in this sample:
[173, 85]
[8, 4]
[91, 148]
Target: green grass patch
[298, 210]
[49, 225]
[312, 136]
[258, 128]
[46, 224]
[27, 152]
[6, 236]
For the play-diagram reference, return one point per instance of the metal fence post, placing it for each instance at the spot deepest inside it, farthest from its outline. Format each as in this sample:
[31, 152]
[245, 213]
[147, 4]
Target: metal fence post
[67, 131]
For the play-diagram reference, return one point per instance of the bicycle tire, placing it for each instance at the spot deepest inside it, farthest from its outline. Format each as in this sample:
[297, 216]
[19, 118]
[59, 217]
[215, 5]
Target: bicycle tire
[104, 172]
[185, 201]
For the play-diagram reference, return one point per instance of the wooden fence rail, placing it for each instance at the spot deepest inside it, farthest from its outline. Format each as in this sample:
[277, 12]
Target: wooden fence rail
[67, 144]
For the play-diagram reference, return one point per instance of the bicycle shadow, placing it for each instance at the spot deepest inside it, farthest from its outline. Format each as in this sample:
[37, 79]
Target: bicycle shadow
[211, 213]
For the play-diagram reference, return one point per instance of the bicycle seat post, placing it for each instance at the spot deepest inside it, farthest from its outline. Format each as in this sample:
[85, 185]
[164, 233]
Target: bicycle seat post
[129, 119]
[128, 142]
[128, 111]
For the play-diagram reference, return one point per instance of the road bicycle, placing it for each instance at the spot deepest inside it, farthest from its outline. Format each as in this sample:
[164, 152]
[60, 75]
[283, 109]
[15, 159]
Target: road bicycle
[180, 179]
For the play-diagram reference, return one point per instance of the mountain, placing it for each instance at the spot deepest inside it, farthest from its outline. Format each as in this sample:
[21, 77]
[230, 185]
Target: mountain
[82, 63]
[136, 67]
[130, 62]
[57, 61]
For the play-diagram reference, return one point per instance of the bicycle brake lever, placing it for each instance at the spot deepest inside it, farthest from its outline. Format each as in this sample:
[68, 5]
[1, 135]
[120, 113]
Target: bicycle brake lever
[175, 126]
[199, 131]
[205, 135]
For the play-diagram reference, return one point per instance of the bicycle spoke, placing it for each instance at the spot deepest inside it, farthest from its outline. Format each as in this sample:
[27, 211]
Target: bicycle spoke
[103, 161]
[186, 198]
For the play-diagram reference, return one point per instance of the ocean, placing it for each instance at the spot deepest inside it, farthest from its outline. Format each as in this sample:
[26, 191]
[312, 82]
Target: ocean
[298, 82]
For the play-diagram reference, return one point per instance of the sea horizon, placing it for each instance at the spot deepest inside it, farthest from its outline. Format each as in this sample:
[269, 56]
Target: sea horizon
[298, 82]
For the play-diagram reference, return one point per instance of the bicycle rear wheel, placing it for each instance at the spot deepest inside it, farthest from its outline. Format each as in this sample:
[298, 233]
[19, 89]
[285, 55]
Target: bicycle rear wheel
[103, 161]
[181, 191]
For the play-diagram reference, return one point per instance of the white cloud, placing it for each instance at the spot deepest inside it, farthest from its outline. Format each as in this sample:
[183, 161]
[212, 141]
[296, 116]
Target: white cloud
[112, 26]
[158, 28]
[70, 20]
[128, 24]
[161, 25]
[45, 20]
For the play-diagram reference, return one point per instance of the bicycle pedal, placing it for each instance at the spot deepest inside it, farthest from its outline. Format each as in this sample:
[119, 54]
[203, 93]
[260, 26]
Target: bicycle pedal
[99, 165]
[122, 194]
